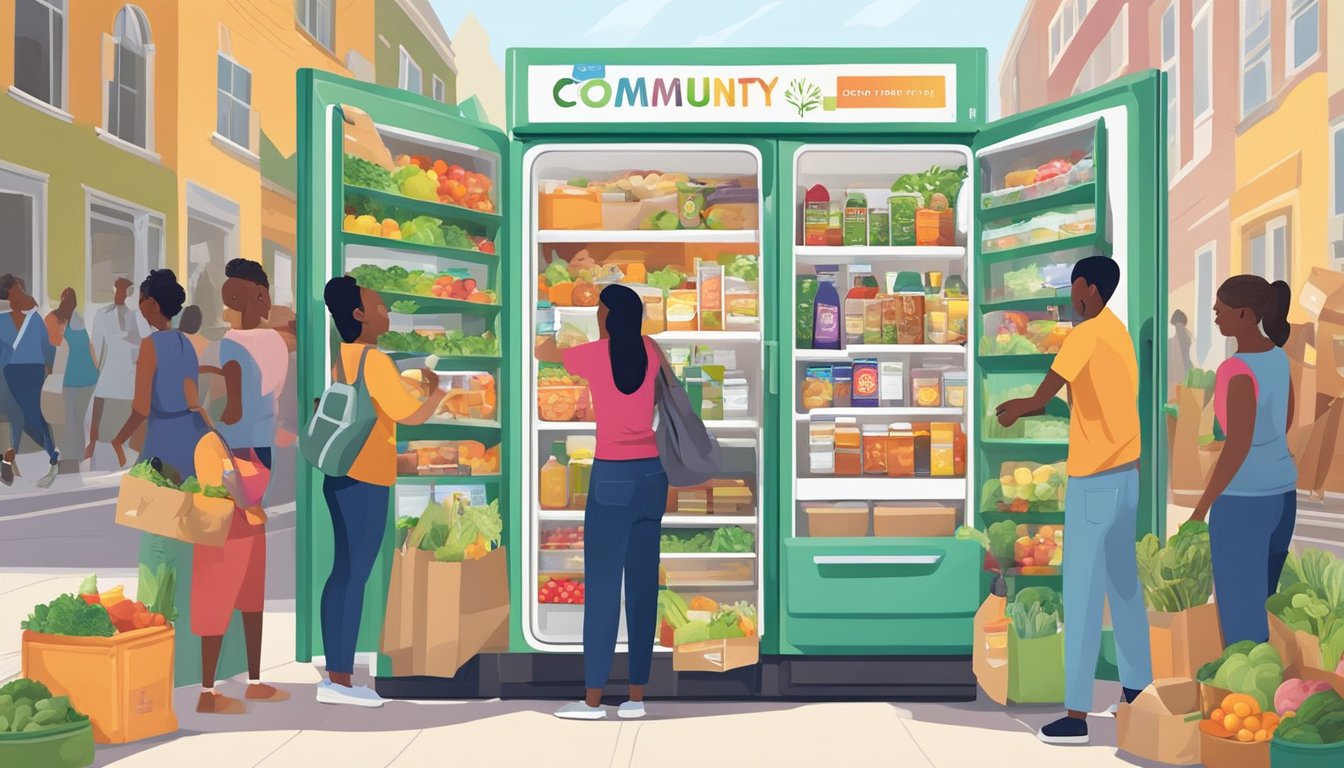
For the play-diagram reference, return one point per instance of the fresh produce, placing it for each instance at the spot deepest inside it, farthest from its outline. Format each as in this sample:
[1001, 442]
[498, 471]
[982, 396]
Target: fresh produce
[1319, 720]
[666, 279]
[452, 184]
[1036, 612]
[728, 539]
[1311, 599]
[420, 283]
[1039, 552]
[448, 344]
[1294, 691]
[560, 592]
[405, 307]
[1026, 487]
[457, 531]
[744, 266]
[1197, 378]
[562, 538]
[1242, 718]
[145, 471]
[946, 182]
[1024, 283]
[361, 173]
[1003, 543]
[72, 616]
[1248, 668]
[27, 706]
[1179, 575]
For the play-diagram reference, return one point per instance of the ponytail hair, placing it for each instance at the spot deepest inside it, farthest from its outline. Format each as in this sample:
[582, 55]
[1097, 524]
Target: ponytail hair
[625, 319]
[1269, 301]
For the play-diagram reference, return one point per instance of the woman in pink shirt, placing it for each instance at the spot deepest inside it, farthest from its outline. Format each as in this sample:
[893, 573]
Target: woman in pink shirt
[628, 493]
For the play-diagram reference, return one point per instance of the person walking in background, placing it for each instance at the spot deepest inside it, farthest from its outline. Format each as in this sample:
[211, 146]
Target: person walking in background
[166, 371]
[189, 322]
[1178, 352]
[27, 354]
[116, 343]
[66, 325]
[1253, 490]
[1101, 505]
[623, 519]
[359, 501]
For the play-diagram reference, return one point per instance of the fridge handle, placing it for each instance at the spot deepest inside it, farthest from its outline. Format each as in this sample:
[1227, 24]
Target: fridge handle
[771, 370]
[876, 559]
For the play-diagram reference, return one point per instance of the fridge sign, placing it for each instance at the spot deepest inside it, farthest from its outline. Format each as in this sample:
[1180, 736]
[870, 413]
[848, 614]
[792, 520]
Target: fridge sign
[841, 93]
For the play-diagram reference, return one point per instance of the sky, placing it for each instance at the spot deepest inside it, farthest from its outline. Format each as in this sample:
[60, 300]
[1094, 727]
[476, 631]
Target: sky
[747, 23]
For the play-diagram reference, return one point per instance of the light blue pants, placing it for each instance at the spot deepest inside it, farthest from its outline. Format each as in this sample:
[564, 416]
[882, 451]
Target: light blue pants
[1100, 526]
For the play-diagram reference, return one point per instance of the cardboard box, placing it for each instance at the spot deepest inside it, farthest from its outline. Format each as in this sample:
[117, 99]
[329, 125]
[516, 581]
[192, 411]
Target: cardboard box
[1184, 641]
[1320, 453]
[1211, 697]
[717, 655]
[1162, 724]
[569, 209]
[913, 520]
[843, 519]
[1299, 650]
[1230, 753]
[1322, 296]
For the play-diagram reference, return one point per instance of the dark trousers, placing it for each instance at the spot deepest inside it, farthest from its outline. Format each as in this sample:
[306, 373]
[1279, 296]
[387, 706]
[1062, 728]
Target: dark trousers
[621, 527]
[1249, 536]
[358, 520]
[25, 382]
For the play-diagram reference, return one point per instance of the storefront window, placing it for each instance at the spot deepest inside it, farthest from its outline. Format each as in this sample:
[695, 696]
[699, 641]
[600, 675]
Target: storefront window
[123, 242]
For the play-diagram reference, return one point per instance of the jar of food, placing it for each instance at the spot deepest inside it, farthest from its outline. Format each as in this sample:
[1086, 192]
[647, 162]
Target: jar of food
[818, 387]
[872, 321]
[842, 386]
[874, 449]
[910, 293]
[954, 389]
[900, 450]
[879, 227]
[821, 447]
[926, 388]
[848, 448]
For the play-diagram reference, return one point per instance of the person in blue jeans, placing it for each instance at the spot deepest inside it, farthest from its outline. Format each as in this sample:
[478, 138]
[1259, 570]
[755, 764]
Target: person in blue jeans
[26, 358]
[1253, 490]
[1101, 505]
[626, 500]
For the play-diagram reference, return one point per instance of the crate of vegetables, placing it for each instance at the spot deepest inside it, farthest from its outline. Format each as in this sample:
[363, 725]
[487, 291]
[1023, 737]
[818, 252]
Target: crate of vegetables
[39, 729]
[112, 656]
[706, 636]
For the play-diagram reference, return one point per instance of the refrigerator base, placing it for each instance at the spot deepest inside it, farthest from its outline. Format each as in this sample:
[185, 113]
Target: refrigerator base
[812, 678]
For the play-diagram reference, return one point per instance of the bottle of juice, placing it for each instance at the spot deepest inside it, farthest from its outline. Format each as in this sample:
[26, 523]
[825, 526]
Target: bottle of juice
[826, 311]
[958, 307]
[935, 310]
[816, 215]
[901, 450]
[856, 219]
[553, 485]
[855, 305]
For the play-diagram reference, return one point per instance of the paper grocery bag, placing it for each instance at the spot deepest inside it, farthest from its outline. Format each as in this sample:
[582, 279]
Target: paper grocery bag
[1194, 418]
[1162, 724]
[1299, 650]
[991, 674]
[464, 611]
[1036, 669]
[147, 507]
[1184, 641]
[405, 592]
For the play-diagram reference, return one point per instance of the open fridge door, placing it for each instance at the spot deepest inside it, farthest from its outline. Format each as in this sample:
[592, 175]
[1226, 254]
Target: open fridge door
[403, 194]
[682, 225]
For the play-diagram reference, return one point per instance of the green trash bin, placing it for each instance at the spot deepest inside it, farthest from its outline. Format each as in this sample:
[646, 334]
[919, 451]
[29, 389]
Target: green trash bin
[64, 746]
[1286, 754]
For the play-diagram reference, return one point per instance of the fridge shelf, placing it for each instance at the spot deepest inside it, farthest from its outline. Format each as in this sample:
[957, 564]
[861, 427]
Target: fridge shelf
[880, 489]
[842, 254]
[1078, 195]
[589, 426]
[1037, 362]
[707, 556]
[1095, 240]
[1015, 442]
[461, 255]
[546, 236]
[454, 362]
[706, 337]
[875, 350]
[431, 305]
[1039, 303]
[451, 214]
[450, 430]
[913, 413]
[1023, 518]
[448, 480]
[669, 521]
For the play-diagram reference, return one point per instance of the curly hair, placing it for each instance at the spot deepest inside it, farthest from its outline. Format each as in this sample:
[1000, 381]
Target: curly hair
[163, 288]
[246, 269]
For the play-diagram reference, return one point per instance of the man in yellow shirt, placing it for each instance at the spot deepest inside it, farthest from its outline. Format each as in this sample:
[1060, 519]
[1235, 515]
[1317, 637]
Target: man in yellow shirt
[358, 502]
[1097, 361]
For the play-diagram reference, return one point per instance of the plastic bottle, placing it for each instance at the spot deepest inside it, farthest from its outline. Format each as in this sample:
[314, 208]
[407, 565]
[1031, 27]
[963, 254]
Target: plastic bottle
[554, 484]
[826, 309]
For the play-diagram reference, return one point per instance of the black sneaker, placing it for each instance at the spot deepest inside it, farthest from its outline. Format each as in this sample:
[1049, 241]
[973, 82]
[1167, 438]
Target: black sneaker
[6, 472]
[1065, 730]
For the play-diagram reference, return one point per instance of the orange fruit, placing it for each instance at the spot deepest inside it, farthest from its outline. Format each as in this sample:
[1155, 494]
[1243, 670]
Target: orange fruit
[1232, 723]
[1217, 714]
[1214, 729]
[1241, 709]
[1262, 735]
[1244, 735]
[1251, 724]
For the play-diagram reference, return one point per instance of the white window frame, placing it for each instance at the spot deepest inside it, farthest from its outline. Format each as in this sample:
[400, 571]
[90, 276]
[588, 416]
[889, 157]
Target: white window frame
[237, 103]
[18, 180]
[62, 89]
[110, 45]
[1336, 157]
[1206, 266]
[1172, 66]
[309, 15]
[143, 220]
[282, 278]
[1202, 13]
[439, 90]
[1056, 43]
[1263, 54]
[1337, 258]
[1290, 42]
[404, 63]
[1117, 67]
[1273, 263]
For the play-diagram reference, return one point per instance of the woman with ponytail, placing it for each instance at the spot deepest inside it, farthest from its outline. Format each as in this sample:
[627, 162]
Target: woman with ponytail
[628, 494]
[1253, 490]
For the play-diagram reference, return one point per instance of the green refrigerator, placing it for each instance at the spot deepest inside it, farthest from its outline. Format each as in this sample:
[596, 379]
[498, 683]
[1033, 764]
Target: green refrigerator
[686, 174]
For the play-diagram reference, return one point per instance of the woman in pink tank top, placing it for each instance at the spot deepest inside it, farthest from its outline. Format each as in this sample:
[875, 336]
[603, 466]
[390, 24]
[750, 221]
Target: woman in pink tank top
[628, 493]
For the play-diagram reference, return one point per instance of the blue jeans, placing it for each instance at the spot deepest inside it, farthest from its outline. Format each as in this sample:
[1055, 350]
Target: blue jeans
[621, 527]
[1100, 522]
[24, 409]
[358, 521]
[1250, 537]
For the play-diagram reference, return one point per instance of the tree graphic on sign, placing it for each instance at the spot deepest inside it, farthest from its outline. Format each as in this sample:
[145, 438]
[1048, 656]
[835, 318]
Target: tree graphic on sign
[804, 96]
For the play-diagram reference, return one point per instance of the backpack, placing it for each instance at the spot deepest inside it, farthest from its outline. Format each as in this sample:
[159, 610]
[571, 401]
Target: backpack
[340, 428]
[689, 453]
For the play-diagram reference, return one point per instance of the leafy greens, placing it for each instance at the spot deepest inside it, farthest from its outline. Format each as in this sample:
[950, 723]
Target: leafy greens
[1179, 575]
[70, 615]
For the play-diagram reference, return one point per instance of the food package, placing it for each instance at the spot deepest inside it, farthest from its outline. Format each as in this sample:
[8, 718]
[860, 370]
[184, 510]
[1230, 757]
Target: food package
[1184, 641]
[564, 207]
[837, 519]
[717, 655]
[1162, 724]
[913, 520]
[562, 396]
[1025, 487]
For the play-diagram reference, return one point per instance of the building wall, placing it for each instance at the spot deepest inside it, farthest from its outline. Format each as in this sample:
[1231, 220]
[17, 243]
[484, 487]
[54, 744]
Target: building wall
[397, 30]
[1028, 59]
[70, 153]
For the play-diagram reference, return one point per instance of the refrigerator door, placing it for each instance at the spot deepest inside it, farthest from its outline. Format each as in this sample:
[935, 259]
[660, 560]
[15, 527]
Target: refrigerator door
[338, 117]
[867, 562]
[1082, 177]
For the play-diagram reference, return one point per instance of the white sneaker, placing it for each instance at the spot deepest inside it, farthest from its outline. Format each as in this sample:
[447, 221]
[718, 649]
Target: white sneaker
[49, 478]
[579, 710]
[631, 710]
[354, 696]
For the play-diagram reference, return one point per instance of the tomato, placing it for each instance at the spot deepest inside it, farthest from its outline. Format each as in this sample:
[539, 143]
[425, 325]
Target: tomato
[487, 247]
[456, 172]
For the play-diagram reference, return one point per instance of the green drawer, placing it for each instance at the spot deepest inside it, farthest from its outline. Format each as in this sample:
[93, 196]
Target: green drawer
[880, 596]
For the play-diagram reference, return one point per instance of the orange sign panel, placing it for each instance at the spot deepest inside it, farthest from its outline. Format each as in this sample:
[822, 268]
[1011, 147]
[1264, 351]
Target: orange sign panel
[894, 92]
